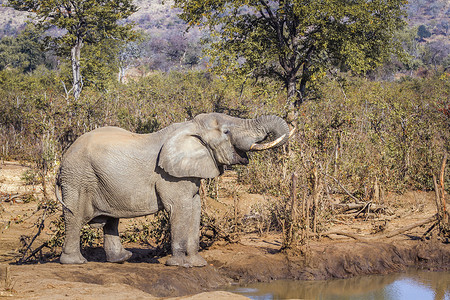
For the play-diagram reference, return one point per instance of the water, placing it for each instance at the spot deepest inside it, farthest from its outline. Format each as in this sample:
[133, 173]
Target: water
[412, 285]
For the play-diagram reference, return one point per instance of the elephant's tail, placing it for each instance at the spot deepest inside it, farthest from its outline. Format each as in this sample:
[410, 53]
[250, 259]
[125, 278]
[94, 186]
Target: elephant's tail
[58, 191]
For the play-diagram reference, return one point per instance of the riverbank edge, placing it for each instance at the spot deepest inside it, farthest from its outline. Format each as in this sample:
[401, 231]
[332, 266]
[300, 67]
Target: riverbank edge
[335, 260]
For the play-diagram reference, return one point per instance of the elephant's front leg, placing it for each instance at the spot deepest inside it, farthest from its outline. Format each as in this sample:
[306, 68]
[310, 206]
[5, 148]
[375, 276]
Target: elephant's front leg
[113, 247]
[185, 230]
[193, 258]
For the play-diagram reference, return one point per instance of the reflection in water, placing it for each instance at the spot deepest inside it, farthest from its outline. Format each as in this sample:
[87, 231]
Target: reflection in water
[420, 285]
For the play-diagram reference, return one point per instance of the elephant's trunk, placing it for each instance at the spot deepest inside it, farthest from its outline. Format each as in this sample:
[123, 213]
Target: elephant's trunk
[258, 129]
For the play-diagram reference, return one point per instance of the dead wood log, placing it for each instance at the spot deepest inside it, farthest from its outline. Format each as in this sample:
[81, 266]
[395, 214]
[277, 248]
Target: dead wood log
[347, 234]
[359, 206]
[412, 226]
[361, 238]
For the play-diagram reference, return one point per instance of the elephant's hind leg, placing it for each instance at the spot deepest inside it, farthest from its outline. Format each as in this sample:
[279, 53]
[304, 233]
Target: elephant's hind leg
[113, 247]
[71, 251]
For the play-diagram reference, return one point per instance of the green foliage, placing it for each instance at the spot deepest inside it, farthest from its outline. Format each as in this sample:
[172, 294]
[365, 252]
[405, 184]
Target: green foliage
[91, 237]
[23, 52]
[89, 22]
[99, 63]
[136, 233]
[30, 177]
[296, 41]
[58, 229]
[423, 32]
[160, 231]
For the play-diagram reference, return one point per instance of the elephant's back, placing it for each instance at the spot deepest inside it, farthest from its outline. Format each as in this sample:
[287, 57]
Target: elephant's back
[106, 136]
[101, 139]
[105, 145]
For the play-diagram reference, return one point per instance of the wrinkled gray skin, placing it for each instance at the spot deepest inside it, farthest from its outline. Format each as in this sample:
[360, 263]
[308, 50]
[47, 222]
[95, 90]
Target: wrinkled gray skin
[110, 173]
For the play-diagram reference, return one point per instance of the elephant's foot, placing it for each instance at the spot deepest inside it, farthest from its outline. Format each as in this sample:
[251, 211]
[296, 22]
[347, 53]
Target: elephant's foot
[196, 260]
[74, 258]
[187, 261]
[177, 261]
[119, 257]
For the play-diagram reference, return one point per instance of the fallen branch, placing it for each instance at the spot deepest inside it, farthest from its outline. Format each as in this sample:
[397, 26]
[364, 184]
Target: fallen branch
[429, 230]
[412, 226]
[367, 205]
[360, 207]
[388, 235]
[35, 251]
[8, 197]
[350, 235]
[14, 198]
[40, 226]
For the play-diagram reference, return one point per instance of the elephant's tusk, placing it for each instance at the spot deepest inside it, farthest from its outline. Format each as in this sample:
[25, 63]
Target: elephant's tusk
[258, 147]
[292, 132]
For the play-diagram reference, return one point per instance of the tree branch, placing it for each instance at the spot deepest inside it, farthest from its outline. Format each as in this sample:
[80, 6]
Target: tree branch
[348, 193]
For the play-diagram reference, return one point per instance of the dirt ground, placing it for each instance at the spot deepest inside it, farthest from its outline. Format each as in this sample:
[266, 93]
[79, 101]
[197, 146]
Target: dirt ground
[253, 258]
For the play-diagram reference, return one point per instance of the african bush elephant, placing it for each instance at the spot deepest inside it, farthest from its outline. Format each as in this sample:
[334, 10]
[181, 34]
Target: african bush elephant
[111, 173]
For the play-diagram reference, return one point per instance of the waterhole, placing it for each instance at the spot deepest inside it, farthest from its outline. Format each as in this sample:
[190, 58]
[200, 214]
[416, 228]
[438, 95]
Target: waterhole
[412, 285]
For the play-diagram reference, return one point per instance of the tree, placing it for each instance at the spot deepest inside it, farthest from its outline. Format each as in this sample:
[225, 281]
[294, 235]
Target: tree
[100, 63]
[82, 22]
[423, 32]
[22, 52]
[296, 41]
[127, 57]
[408, 38]
[436, 53]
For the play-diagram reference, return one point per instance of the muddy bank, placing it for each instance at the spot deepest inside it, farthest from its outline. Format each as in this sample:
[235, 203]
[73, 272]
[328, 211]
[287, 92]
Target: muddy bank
[229, 264]
[332, 260]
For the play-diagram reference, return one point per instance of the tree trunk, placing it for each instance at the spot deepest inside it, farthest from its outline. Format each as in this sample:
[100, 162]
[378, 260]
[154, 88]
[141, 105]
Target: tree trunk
[304, 80]
[292, 99]
[305, 75]
[121, 74]
[77, 79]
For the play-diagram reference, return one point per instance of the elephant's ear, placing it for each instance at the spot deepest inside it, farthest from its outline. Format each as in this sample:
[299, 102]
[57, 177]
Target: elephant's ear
[185, 155]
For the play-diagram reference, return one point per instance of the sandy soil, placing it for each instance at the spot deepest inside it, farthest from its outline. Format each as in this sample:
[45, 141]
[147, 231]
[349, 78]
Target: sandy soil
[253, 258]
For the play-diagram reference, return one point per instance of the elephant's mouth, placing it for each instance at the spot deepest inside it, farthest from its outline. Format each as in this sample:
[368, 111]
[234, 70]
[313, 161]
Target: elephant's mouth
[240, 157]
